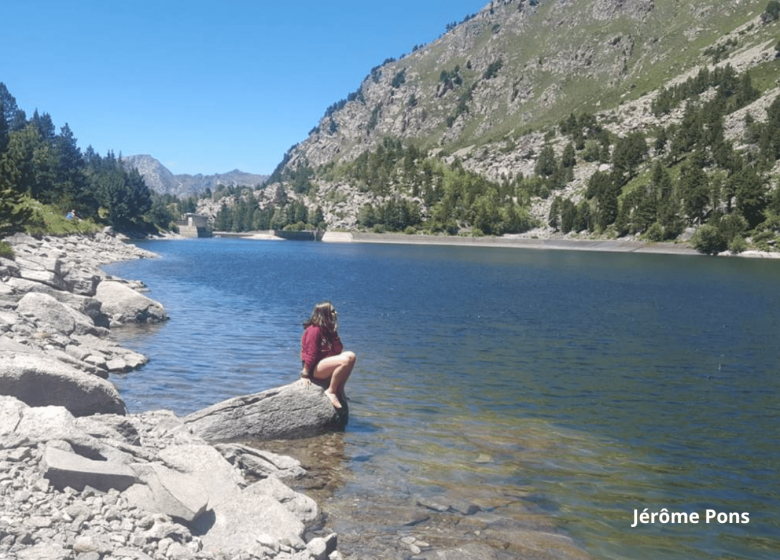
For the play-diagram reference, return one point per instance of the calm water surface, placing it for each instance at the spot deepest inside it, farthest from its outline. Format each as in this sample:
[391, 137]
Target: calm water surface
[586, 385]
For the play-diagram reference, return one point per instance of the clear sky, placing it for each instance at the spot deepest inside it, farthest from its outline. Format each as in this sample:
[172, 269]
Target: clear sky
[204, 86]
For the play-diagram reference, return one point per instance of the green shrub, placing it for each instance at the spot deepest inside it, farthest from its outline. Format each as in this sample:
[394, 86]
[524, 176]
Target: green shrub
[771, 12]
[6, 251]
[708, 239]
[765, 241]
[731, 226]
[410, 230]
[655, 233]
[738, 245]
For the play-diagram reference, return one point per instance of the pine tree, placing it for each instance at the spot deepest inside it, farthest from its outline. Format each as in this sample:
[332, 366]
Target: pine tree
[13, 213]
[70, 179]
[694, 189]
[750, 195]
[546, 164]
[3, 129]
[629, 153]
[9, 109]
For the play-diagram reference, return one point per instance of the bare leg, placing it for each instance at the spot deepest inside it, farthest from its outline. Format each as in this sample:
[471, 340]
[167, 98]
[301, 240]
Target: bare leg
[337, 369]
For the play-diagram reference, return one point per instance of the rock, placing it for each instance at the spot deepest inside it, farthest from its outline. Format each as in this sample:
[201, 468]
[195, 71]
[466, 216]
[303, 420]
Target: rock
[260, 463]
[318, 549]
[65, 469]
[125, 305]
[82, 282]
[471, 551]
[235, 522]
[166, 491]
[41, 381]
[44, 551]
[80, 513]
[287, 412]
[206, 466]
[303, 507]
[52, 314]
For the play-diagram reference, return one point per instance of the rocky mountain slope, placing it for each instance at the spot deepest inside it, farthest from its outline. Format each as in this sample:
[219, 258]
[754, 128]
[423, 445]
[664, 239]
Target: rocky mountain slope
[491, 91]
[161, 180]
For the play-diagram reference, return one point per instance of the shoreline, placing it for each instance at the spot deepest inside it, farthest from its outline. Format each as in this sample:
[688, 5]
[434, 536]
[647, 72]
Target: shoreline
[553, 244]
[81, 475]
[511, 242]
[550, 243]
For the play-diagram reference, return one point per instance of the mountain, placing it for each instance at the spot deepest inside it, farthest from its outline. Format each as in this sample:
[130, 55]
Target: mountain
[520, 66]
[490, 97]
[161, 180]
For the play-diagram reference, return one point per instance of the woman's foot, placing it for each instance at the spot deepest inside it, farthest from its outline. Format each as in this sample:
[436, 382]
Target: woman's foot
[334, 400]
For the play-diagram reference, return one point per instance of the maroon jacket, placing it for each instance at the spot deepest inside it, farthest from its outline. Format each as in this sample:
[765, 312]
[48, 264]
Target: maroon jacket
[315, 347]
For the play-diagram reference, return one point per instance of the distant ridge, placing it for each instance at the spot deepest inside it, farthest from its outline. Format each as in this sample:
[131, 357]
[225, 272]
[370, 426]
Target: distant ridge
[160, 179]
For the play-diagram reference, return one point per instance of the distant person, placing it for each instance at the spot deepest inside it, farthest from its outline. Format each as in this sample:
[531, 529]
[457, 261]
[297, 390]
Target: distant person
[322, 353]
[71, 215]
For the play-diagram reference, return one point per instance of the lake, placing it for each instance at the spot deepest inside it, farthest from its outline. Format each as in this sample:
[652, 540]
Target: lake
[553, 390]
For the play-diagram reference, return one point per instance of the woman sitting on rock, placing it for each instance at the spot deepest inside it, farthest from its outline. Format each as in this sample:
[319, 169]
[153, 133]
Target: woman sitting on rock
[322, 353]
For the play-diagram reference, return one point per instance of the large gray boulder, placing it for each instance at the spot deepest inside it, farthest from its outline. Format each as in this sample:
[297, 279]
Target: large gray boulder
[241, 521]
[66, 469]
[40, 381]
[167, 491]
[259, 463]
[124, 305]
[51, 314]
[288, 412]
[303, 507]
[235, 516]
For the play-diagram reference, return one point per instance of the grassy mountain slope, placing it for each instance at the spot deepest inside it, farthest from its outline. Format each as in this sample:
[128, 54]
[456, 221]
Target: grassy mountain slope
[480, 105]
[548, 60]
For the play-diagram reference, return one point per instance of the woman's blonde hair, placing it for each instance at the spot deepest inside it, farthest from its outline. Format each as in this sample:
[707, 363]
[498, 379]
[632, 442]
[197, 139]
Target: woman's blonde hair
[325, 317]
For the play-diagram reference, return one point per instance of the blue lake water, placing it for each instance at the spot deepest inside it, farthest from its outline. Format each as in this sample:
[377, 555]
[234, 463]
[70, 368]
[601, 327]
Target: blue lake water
[584, 385]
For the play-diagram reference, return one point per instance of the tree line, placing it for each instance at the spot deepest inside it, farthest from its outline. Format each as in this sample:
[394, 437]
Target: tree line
[244, 213]
[691, 174]
[37, 163]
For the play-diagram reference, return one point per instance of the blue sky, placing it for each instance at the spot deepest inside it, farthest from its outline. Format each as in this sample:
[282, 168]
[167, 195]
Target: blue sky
[204, 86]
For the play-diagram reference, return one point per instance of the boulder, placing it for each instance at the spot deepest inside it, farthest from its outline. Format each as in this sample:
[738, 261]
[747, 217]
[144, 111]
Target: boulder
[167, 491]
[206, 466]
[259, 463]
[234, 516]
[66, 469]
[303, 507]
[125, 305]
[56, 316]
[41, 381]
[42, 424]
[288, 412]
[235, 523]
[82, 282]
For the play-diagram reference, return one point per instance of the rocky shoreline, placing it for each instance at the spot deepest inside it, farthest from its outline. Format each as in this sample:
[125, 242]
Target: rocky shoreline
[82, 479]
[540, 241]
